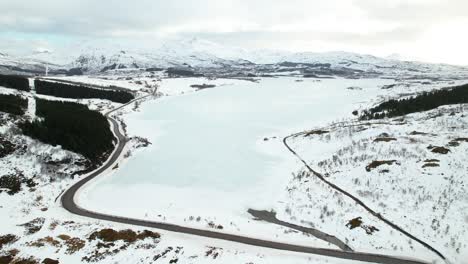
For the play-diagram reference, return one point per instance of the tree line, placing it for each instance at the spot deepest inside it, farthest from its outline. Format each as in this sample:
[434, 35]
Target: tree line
[72, 126]
[13, 104]
[423, 102]
[14, 81]
[78, 91]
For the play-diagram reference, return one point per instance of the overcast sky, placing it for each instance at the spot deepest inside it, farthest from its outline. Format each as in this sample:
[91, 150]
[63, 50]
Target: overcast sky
[428, 30]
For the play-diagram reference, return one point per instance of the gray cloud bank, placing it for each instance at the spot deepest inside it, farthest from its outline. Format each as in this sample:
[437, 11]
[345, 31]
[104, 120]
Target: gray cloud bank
[377, 26]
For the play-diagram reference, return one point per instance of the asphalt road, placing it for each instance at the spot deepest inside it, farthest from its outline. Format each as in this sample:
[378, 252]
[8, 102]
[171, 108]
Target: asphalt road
[68, 202]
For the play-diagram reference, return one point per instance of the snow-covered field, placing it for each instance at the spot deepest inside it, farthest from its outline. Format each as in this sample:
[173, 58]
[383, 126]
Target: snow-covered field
[423, 191]
[217, 152]
[56, 234]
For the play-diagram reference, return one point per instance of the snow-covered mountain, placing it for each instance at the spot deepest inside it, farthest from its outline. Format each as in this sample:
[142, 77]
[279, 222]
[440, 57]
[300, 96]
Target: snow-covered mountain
[202, 55]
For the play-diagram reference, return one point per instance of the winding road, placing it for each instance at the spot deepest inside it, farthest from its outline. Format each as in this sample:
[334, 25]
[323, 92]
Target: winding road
[68, 202]
[357, 200]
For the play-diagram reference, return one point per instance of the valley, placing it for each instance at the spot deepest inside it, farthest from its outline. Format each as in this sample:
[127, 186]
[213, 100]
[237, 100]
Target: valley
[199, 155]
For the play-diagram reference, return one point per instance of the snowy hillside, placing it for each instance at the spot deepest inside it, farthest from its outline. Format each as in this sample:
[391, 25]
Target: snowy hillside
[212, 58]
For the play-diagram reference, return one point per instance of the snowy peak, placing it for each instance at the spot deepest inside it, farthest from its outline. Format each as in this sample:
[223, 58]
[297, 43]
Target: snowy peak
[210, 56]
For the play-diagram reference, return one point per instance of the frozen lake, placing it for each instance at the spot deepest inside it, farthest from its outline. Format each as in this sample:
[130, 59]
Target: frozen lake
[208, 155]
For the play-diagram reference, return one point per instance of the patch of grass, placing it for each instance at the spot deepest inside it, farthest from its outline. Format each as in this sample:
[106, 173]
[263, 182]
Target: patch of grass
[108, 236]
[6, 259]
[50, 261]
[74, 245]
[64, 237]
[7, 239]
[316, 132]
[440, 150]
[430, 165]
[385, 139]
[130, 236]
[376, 163]
[353, 223]
[30, 260]
[45, 241]
[357, 222]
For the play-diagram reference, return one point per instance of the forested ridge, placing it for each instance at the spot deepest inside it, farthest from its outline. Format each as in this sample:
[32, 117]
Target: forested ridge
[73, 126]
[13, 104]
[423, 102]
[78, 91]
[16, 82]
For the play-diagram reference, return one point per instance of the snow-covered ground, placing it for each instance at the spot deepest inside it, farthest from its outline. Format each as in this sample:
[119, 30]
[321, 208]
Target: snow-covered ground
[56, 234]
[217, 152]
[422, 191]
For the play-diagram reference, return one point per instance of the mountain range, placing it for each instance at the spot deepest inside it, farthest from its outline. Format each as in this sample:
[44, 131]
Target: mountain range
[208, 57]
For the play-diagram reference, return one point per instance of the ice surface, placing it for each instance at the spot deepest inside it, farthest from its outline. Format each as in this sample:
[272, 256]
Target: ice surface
[205, 156]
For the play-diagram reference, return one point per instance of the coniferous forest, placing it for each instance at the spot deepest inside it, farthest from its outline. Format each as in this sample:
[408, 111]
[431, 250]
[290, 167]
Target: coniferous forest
[73, 126]
[13, 104]
[423, 102]
[77, 91]
[16, 82]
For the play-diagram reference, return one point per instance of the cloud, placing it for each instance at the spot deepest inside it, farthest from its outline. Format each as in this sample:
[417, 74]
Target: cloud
[382, 27]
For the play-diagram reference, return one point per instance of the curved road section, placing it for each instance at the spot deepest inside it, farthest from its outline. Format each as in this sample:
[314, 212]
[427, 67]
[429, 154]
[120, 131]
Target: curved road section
[357, 200]
[69, 204]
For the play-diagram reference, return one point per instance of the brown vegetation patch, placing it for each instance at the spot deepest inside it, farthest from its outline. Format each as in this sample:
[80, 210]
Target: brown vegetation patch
[357, 222]
[430, 165]
[385, 139]
[7, 239]
[130, 236]
[108, 236]
[376, 163]
[30, 260]
[74, 244]
[353, 223]
[6, 259]
[316, 132]
[50, 261]
[64, 237]
[440, 150]
[44, 241]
